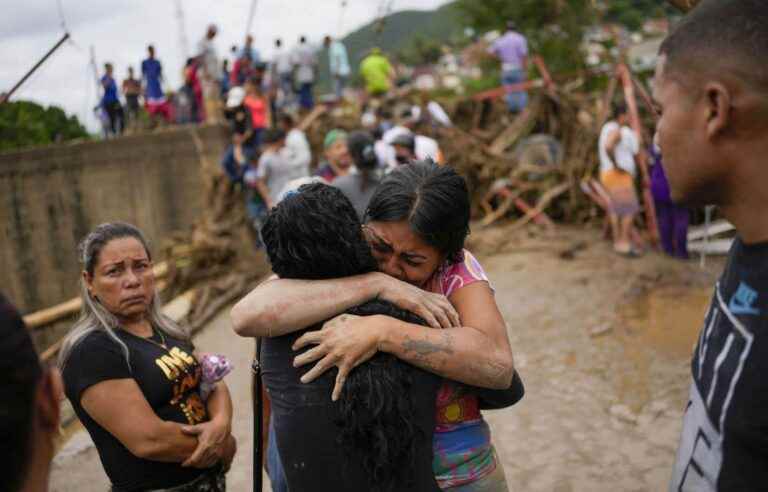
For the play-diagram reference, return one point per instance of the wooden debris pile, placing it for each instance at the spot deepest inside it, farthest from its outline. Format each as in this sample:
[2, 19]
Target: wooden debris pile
[532, 162]
[216, 263]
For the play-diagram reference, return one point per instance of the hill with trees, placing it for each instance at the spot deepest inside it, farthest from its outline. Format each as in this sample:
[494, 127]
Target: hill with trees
[554, 27]
[28, 124]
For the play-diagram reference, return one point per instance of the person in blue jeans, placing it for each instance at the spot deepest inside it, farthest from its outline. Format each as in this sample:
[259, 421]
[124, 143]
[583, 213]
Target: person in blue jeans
[111, 102]
[511, 49]
[274, 465]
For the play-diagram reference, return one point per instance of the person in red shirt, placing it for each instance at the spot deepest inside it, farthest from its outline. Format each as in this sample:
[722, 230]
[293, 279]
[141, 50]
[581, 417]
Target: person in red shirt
[257, 104]
[194, 89]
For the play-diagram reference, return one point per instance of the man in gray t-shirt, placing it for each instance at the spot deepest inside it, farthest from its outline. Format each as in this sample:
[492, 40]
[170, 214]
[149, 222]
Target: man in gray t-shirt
[275, 170]
[360, 186]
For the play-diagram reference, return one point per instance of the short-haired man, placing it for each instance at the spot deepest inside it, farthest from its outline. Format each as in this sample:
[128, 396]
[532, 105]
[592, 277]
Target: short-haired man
[282, 69]
[31, 402]
[338, 64]
[132, 90]
[111, 102]
[305, 61]
[712, 91]
[209, 62]
[152, 77]
[511, 49]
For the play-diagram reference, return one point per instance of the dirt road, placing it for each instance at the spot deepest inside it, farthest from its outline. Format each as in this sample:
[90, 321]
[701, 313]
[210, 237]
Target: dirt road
[602, 344]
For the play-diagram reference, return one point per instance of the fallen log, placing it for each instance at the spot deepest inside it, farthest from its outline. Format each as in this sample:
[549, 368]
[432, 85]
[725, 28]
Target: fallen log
[505, 89]
[45, 317]
[512, 133]
[540, 218]
[684, 5]
[177, 309]
[541, 205]
[634, 118]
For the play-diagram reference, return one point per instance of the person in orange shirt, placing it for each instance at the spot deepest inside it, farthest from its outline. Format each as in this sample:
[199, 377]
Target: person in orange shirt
[257, 103]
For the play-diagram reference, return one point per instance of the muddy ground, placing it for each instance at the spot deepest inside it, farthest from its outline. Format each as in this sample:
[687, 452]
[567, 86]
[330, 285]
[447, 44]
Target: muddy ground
[602, 344]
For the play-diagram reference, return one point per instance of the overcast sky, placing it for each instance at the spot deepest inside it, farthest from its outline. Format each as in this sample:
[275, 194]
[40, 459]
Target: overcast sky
[120, 32]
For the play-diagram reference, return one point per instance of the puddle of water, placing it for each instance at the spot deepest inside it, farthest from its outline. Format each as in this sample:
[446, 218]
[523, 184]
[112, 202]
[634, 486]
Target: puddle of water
[654, 330]
[666, 319]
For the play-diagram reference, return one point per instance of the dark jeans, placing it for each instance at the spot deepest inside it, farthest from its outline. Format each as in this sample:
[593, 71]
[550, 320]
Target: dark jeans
[132, 104]
[306, 99]
[673, 228]
[116, 117]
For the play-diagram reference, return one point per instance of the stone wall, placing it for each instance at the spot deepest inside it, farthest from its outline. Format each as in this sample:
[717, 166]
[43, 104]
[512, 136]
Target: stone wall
[51, 197]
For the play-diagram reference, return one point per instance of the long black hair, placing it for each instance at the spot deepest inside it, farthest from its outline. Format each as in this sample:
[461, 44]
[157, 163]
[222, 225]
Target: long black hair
[315, 233]
[433, 199]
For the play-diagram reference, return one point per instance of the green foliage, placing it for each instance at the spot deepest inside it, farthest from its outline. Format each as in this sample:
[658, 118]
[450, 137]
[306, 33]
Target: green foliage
[473, 86]
[421, 51]
[554, 28]
[397, 34]
[632, 13]
[401, 30]
[27, 124]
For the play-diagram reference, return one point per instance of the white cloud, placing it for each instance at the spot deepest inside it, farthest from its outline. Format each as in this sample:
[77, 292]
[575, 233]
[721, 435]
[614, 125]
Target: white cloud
[120, 32]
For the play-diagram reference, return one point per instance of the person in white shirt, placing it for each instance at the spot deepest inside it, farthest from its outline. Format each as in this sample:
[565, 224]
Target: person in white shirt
[411, 145]
[305, 62]
[282, 68]
[338, 62]
[209, 64]
[617, 147]
[296, 152]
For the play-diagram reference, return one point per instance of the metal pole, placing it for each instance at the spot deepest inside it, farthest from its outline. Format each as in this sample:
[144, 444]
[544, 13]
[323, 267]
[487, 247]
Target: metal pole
[7, 96]
[183, 44]
[341, 18]
[251, 13]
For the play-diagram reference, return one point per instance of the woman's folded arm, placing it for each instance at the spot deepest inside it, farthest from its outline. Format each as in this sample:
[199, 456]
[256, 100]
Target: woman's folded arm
[119, 406]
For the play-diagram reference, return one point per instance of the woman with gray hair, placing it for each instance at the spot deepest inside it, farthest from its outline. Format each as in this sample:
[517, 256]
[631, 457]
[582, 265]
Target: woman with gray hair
[134, 380]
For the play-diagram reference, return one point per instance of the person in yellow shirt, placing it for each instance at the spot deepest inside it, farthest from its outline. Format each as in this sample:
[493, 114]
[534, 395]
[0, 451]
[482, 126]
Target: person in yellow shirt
[377, 73]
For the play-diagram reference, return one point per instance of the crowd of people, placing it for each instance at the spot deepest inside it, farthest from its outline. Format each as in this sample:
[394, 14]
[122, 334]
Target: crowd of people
[270, 155]
[383, 342]
[286, 82]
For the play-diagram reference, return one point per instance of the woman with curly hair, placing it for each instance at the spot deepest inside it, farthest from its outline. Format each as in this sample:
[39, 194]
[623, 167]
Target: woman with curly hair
[416, 225]
[378, 436]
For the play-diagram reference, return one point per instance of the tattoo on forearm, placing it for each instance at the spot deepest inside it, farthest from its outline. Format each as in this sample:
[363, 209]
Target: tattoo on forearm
[425, 351]
[434, 356]
[424, 348]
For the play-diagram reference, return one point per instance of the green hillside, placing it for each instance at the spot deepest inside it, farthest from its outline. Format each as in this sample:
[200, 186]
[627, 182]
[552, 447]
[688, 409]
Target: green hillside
[400, 29]
[396, 32]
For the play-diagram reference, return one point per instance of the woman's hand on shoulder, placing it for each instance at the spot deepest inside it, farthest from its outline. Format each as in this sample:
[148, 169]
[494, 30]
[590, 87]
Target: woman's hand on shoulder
[345, 341]
[435, 309]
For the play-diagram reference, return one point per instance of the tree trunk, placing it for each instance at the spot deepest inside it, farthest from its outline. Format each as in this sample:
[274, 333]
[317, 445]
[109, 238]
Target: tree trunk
[684, 5]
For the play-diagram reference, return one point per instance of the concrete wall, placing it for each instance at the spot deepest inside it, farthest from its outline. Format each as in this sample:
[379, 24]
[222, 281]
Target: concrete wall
[51, 197]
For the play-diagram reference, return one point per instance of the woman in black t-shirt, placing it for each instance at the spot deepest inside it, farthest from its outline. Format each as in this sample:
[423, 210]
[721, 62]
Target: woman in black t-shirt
[133, 378]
